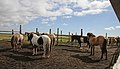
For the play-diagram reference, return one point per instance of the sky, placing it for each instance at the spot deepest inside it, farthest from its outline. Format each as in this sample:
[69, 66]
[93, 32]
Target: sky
[96, 16]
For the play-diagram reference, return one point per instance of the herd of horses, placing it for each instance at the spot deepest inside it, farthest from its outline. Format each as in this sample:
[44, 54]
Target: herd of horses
[46, 40]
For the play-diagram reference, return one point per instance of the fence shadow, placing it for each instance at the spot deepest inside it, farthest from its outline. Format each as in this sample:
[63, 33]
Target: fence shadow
[85, 59]
[77, 51]
[5, 50]
[24, 58]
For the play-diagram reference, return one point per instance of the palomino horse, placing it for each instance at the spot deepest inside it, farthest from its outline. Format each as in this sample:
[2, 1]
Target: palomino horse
[94, 41]
[80, 39]
[17, 39]
[42, 40]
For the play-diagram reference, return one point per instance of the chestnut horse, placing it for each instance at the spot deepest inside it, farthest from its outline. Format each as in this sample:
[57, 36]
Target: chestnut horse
[95, 41]
[17, 39]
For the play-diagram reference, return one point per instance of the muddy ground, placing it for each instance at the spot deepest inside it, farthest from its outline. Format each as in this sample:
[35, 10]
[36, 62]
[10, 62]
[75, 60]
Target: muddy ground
[62, 57]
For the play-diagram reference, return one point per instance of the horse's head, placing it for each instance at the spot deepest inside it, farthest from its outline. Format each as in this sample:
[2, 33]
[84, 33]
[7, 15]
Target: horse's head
[90, 35]
[30, 36]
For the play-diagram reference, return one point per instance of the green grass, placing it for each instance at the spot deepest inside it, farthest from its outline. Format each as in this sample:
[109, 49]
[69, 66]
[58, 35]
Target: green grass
[8, 37]
[5, 36]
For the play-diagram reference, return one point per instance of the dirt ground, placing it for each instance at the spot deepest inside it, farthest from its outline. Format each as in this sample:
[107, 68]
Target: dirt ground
[62, 57]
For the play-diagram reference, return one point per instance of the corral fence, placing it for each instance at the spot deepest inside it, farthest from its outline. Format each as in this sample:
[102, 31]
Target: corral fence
[65, 39]
[6, 35]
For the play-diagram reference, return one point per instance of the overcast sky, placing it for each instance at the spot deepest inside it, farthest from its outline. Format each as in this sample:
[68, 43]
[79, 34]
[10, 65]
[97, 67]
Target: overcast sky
[95, 16]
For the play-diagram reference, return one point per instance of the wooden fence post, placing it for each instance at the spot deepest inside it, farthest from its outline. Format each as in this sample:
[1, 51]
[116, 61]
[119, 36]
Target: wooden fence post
[81, 32]
[69, 37]
[12, 31]
[75, 34]
[36, 30]
[20, 29]
[61, 35]
[106, 35]
[49, 31]
[57, 35]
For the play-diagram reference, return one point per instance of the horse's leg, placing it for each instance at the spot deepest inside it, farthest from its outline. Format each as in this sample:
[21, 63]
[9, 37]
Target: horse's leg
[44, 47]
[36, 50]
[102, 52]
[53, 41]
[93, 50]
[106, 54]
[79, 42]
[48, 50]
[72, 41]
[33, 51]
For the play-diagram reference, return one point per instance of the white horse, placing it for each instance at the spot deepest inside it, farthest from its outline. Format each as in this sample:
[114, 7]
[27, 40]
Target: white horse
[43, 40]
[17, 39]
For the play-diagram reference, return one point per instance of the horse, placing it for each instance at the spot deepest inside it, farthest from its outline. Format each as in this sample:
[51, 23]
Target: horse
[118, 41]
[38, 41]
[112, 41]
[95, 41]
[80, 39]
[52, 37]
[17, 39]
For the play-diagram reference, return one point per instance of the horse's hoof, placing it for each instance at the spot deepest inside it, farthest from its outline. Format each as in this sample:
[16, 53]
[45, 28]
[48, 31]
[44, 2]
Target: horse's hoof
[33, 54]
[44, 57]
[90, 55]
[48, 56]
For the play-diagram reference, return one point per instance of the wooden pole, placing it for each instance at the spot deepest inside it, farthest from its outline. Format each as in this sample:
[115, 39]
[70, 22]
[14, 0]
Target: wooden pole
[49, 31]
[36, 30]
[106, 35]
[61, 35]
[57, 35]
[81, 32]
[20, 29]
[12, 31]
[69, 37]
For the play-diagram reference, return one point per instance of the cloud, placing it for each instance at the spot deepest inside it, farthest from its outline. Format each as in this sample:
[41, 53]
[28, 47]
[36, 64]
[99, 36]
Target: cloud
[99, 4]
[18, 12]
[86, 12]
[110, 28]
[64, 24]
[118, 27]
[48, 19]
[67, 17]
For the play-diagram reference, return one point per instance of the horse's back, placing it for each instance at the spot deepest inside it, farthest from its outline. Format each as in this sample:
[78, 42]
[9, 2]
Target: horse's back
[19, 36]
[46, 38]
[97, 40]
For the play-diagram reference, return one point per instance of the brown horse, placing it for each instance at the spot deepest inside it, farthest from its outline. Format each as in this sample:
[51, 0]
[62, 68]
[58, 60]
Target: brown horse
[17, 39]
[95, 41]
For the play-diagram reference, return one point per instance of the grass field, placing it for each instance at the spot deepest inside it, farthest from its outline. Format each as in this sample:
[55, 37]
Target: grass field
[8, 37]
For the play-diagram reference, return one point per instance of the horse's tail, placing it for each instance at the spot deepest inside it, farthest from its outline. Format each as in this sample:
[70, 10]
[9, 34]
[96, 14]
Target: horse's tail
[105, 44]
[104, 48]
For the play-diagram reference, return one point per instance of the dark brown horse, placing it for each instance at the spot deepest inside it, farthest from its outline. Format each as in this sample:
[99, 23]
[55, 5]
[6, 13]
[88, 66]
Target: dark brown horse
[95, 41]
[80, 39]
